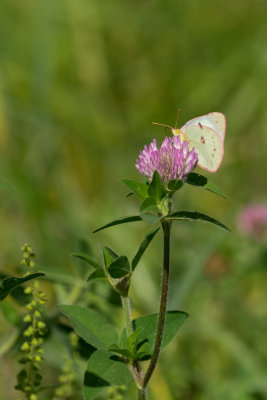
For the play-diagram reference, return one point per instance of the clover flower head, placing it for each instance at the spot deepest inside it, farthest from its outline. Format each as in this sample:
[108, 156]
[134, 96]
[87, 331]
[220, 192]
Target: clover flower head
[173, 160]
[252, 220]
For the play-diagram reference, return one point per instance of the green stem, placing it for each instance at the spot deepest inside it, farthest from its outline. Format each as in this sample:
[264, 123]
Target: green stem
[166, 226]
[135, 368]
[141, 394]
[127, 314]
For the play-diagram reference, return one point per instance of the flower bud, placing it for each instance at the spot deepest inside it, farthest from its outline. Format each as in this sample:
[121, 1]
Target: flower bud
[41, 325]
[27, 318]
[25, 346]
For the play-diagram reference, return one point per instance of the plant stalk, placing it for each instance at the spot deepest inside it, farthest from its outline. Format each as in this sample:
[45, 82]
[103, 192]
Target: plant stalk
[127, 314]
[135, 368]
[166, 226]
[141, 394]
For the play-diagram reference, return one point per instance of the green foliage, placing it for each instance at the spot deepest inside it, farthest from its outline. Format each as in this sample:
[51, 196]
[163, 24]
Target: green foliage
[150, 219]
[125, 353]
[174, 185]
[146, 328]
[91, 326]
[87, 259]
[109, 256]
[205, 183]
[116, 266]
[143, 246]
[134, 348]
[133, 342]
[120, 267]
[194, 215]
[156, 188]
[74, 115]
[155, 201]
[8, 284]
[123, 220]
[29, 378]
[103, 370]
[98, 274]
[139, 189]
[18, 293]
[22, 379]
[149, 204]
[116, 392]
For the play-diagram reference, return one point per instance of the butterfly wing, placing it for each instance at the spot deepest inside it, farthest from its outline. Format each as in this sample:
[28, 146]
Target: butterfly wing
[214, 120]
[208, 145]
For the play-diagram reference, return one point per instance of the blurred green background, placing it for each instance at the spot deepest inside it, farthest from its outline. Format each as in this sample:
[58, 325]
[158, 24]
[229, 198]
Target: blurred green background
[80, 83]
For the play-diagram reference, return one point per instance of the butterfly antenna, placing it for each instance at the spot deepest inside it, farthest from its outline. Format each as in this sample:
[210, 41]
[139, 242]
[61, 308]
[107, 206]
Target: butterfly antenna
[178, 113]
[166, 126]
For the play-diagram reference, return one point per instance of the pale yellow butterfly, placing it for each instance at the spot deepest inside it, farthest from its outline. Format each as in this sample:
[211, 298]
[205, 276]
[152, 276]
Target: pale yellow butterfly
[206, 134]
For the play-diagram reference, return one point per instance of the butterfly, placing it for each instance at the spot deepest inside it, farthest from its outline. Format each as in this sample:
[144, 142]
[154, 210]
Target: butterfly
[206, 134]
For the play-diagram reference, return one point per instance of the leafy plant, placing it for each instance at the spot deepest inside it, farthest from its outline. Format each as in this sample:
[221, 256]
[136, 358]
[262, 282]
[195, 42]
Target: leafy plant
[118, 357]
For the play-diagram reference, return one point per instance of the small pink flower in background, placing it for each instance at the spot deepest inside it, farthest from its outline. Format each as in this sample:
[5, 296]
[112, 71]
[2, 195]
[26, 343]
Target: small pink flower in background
[252, 220]
[173, 160]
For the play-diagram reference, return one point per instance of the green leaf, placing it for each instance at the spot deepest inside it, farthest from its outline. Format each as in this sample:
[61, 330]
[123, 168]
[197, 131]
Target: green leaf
[109, 256]
[200, 180]
[139, 189]
[149, 203]
[90, 326]
[11, 283]
[98, 274]
[156, 188]
[21, 378]
[24, 360]
[150, 219]
[123, 352]
[148, 323]
[88, 259]
[104, 369]
[132, 338]
[174, 185]
[142, 356]
[122, 220]
[195, 215]
[132, 341]
[130, 352]
[17, 293]
[120, 267]
[148, 238]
